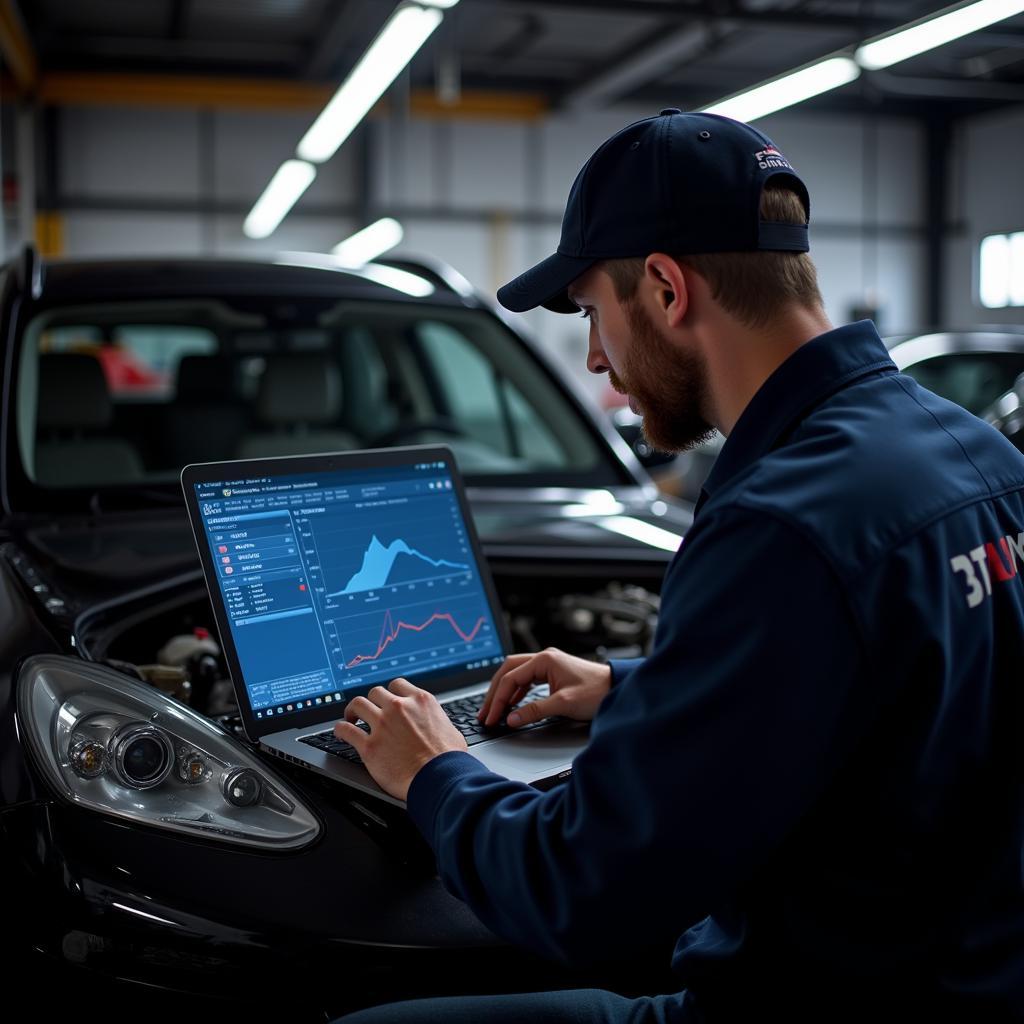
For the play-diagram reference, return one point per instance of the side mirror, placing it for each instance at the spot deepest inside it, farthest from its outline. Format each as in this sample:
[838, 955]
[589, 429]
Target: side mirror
[627, 423]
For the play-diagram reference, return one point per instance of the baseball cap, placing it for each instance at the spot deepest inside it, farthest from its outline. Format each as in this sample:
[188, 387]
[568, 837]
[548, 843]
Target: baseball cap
[677, 183]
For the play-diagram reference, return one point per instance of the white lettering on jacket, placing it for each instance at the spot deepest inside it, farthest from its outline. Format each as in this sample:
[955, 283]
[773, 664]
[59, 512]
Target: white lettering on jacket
[988, 562]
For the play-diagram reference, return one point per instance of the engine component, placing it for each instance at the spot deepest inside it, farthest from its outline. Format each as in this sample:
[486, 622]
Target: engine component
[619, 620]
[181, 648]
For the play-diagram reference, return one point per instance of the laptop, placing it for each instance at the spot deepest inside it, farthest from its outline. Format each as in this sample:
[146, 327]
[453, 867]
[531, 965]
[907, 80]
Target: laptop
[331, 574]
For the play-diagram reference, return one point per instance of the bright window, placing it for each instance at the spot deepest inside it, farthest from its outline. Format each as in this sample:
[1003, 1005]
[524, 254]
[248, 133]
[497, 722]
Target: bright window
[1001, 271]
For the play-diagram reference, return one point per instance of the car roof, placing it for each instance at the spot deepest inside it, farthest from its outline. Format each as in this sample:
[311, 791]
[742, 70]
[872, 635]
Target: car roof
[59, 281]
[907, 350]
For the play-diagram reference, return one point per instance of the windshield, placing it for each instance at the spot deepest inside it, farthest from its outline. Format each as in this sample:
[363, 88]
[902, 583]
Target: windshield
[118, 394]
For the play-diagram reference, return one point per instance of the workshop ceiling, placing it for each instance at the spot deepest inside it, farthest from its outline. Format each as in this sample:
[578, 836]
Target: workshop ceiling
[582, 53]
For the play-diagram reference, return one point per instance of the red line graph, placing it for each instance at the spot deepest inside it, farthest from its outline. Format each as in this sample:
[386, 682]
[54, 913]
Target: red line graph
[389, 633]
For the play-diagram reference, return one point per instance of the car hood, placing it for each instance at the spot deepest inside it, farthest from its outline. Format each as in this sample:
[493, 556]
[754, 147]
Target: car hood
[619, 524]
[627, 524]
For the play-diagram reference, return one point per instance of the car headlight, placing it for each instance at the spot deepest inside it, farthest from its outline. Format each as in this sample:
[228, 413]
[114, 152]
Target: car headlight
[109, 743]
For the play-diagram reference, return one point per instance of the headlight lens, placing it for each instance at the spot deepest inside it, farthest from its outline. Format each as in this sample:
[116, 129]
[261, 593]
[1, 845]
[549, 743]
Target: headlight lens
[142, 755]
[107, 742]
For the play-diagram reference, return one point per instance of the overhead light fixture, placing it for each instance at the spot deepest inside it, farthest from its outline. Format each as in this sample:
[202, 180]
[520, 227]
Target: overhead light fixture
[787, 90]
[398, 42]
[935, 30]
[292, 178]
[443, 4]
[368, 244]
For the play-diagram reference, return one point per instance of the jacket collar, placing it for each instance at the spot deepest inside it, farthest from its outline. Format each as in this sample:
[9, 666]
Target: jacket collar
[814, 371]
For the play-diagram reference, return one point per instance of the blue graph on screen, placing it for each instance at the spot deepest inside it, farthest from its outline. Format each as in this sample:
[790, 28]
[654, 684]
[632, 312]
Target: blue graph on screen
[378, 561]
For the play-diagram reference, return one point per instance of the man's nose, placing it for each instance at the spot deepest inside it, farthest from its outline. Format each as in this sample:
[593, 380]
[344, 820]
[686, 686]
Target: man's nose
[597, 361]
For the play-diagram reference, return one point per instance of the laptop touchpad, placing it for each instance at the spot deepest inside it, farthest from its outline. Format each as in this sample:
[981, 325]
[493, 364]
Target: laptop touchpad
[535, 753]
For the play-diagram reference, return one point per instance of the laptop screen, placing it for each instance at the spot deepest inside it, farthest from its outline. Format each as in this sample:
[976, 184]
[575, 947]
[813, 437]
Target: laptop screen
[345, 579]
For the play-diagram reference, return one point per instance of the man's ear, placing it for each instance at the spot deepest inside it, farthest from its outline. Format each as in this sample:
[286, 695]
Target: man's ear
[665, 283]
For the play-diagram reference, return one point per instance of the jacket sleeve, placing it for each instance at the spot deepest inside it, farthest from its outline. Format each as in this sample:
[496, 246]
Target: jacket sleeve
[700, 761]
[621, 667]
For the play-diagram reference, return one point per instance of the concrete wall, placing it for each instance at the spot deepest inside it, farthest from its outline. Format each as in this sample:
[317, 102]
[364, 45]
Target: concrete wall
[487, 196]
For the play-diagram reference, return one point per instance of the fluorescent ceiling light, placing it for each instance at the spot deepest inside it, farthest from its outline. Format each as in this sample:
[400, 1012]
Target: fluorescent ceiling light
[293, 177]
[437, 3]
[405, 32]
[934, 31]
[791, 88]
[371, 242]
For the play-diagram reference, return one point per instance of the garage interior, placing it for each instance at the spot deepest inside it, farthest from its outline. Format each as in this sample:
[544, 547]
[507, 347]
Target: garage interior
[153, 128]
[178, 178]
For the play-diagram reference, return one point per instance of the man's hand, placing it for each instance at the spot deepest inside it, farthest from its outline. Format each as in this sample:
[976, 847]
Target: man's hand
[408, 728]
[577, 687]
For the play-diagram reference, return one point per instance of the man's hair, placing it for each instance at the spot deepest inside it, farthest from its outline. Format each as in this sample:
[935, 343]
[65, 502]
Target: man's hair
[754, 287]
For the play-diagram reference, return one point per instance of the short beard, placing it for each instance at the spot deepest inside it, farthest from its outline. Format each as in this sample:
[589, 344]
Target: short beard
[670, 386]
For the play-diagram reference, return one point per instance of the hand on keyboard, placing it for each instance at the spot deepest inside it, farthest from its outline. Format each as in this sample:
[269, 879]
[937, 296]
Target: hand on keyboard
[577, 687]
[408, 728]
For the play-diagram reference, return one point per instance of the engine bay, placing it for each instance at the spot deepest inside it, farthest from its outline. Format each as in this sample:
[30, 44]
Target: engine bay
[171, 642]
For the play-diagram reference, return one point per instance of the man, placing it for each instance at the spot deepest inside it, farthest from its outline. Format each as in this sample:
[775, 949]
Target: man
[814, 786]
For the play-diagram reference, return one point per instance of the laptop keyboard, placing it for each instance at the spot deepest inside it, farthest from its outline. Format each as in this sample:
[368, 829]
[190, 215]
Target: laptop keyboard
[462, 714]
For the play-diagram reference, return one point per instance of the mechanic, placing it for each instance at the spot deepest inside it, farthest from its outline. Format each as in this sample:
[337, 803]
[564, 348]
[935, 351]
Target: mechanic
[814, 786]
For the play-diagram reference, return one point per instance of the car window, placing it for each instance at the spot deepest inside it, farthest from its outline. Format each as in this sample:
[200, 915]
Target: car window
[474, 390]
[971, 379]
[111, 396]
[138, 360]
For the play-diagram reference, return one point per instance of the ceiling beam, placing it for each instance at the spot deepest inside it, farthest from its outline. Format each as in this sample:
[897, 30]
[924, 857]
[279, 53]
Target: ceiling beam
[946, 88]
[626, 73]
[349, 22]
[709, 10]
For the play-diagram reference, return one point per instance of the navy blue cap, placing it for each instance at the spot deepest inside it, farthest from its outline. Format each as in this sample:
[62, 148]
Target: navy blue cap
[677, 183]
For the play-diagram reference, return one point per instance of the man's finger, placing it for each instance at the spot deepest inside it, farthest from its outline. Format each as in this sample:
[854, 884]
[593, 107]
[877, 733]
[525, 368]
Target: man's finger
[519, 680]
[402, 687]
[350, 734]
[360, 707]
[511, 662]
[380, 696]
[532, 712]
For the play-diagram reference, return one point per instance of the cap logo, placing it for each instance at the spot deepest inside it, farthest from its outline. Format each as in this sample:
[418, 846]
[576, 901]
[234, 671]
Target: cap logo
[770, 157]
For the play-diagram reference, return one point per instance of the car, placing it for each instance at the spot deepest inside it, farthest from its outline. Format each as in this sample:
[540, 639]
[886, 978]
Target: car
[126, 892]
[970, 367]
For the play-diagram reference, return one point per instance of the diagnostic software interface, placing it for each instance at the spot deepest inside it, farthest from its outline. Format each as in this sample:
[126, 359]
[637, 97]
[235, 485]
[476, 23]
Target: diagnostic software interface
[344, 579]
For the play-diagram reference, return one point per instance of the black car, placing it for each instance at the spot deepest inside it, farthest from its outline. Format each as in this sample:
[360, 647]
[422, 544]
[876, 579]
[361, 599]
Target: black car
[114, 375]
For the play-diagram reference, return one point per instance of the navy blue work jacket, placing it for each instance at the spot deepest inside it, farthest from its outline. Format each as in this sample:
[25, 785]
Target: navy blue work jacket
[814, 786]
